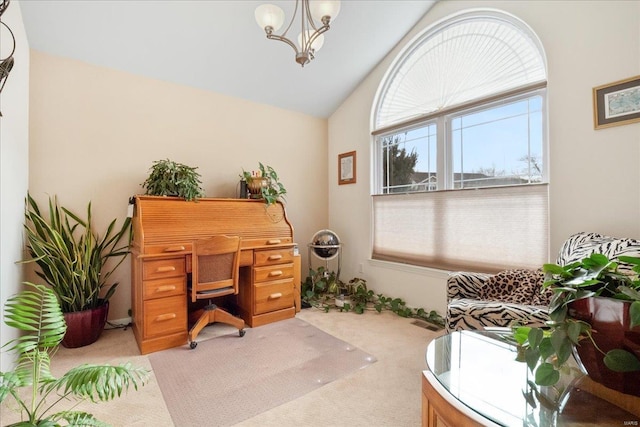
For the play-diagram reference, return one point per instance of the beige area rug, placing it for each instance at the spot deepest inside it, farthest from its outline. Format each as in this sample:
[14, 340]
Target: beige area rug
[228, 379]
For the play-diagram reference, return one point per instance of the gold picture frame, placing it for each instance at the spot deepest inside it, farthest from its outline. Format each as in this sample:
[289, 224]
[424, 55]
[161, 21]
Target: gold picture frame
[347, 168]
[616, 103]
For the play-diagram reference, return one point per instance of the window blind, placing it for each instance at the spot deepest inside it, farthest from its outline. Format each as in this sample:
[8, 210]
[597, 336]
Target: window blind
[484, 229]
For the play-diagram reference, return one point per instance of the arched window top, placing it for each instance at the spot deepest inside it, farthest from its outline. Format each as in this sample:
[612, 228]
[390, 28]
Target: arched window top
[468, 57]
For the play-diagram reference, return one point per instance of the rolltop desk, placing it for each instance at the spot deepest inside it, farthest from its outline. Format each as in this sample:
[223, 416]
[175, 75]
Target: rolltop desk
[163, 231]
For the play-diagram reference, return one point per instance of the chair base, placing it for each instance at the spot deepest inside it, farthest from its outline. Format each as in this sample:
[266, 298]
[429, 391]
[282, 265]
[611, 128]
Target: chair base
[214, 314]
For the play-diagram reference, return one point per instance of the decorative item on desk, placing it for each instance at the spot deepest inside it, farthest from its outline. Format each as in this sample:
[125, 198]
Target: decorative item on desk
[169, 178]
[265, 184]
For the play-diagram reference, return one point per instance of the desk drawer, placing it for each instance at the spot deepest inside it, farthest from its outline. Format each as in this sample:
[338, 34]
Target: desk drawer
[273, 272]
[161, 268]
[167, 248]
[272, 296]
[161, 288]
[164, 316]
[273, 256]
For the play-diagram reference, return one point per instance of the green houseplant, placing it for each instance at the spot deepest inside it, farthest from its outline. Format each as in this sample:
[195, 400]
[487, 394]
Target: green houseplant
[547, 350]
[267, 184]
[76, 261]
[321, 287]
[169, 178]
[36, 312]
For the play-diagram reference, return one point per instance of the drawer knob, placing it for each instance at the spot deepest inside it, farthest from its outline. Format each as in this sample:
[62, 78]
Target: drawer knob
[166, 288]
[275, 295]
[275, 257]
[275, 273]
[165, 269]
[274, 242]
[174, 249]
[163, 317]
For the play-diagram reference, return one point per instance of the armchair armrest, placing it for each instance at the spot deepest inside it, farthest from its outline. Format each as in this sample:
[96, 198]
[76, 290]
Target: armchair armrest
[464, 284]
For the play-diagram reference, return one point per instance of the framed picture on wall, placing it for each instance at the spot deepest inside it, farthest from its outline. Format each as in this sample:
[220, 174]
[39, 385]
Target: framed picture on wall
[616, 103]
[347, 168]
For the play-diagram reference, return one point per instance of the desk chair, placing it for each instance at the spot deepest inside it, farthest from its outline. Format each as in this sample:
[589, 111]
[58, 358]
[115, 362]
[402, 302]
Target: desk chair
[215, 263]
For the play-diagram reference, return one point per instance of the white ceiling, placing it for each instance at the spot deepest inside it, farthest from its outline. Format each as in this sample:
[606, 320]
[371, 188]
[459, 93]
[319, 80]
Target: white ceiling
[216, 45]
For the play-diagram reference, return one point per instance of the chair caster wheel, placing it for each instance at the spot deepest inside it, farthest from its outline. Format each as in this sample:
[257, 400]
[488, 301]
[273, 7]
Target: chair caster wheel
[193, 344]
[241, 332]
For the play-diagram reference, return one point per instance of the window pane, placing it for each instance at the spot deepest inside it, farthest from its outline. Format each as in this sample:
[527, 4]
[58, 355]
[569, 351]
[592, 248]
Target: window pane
[409, 161]
[501, 145]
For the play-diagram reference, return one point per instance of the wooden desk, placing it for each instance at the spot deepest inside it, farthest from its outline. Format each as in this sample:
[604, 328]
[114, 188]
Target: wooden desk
[163, 231]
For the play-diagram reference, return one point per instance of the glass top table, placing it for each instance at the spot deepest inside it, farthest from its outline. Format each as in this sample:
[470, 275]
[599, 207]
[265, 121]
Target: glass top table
[480, 371]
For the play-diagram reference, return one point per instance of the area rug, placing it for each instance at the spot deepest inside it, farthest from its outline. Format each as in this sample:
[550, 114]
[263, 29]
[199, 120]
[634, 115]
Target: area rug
[228, 379]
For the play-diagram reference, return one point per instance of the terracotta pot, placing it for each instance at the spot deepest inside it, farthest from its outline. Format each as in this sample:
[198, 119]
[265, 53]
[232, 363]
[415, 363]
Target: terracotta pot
[610, 322]
[84, 327]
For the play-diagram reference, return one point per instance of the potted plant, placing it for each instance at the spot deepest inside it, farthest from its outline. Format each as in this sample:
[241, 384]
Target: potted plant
[578, 289]
[77, 263]
[265, 184]
[169, 178]
[36, 312]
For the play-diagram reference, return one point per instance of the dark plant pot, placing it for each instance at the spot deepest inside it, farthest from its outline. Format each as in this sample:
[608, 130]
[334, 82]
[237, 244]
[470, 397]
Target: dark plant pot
[84, 327]
[610, 322]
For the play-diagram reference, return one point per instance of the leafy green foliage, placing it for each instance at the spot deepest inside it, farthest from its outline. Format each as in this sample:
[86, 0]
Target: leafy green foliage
[72, 256]
[169, 178]
[36, 311]
[546, 350]
[321, 287]
[274, 190]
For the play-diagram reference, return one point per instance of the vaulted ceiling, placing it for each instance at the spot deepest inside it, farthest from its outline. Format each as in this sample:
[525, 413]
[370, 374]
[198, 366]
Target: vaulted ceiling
[216, 45]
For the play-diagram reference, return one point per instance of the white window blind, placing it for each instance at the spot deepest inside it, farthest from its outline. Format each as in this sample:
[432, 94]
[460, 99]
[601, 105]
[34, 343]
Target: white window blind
[484, 229]
[463, 59]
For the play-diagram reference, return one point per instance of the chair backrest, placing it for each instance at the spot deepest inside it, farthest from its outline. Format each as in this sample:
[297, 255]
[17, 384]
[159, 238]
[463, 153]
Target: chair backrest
[581, 245]
[214, 267]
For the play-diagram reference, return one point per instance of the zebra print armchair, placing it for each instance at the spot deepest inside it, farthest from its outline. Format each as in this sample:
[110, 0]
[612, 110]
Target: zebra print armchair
[478, 301]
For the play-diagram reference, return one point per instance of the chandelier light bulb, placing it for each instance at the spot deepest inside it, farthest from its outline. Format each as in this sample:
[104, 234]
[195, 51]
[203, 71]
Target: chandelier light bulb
[321, 8]
[315, 45]
[269, 16]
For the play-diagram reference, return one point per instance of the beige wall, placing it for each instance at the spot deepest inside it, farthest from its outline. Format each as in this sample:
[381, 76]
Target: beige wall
[594, 175]
[95, 132]
[14, 166]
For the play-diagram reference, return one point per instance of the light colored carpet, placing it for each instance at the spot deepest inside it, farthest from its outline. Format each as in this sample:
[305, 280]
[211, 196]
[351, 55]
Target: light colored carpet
[228, 379]
[385, 394]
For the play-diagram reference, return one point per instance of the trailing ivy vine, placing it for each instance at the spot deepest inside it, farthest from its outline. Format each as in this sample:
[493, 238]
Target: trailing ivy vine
[321, 289]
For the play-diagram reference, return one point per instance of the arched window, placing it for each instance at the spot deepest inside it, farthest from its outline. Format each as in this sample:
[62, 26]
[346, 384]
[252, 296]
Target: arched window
[463, 108]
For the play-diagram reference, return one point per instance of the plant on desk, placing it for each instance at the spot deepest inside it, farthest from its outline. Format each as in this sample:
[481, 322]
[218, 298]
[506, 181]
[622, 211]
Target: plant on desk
[265, 184]
[169, 178]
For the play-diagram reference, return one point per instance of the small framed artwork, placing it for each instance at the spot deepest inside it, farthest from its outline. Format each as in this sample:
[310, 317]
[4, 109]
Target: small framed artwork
[616, 103]
[347, 168]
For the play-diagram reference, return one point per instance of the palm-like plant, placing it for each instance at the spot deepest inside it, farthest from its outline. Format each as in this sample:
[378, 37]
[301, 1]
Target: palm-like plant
[37, 313]
[72, 256]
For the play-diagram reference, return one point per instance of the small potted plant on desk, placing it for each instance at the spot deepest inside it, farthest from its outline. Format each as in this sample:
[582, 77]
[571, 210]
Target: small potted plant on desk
[169, 178]
[265, 184]
[77, 263]
[609, 349]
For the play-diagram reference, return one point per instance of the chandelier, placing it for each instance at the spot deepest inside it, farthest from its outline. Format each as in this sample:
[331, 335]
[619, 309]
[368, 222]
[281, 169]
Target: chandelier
[315, 17]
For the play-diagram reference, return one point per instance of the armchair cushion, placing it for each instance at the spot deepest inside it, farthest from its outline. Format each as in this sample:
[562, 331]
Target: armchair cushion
[516, 286]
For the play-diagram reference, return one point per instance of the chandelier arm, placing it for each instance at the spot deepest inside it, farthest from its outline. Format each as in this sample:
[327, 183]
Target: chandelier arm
[284, 40]
[293, 18]
[315, 35]
[307, 12]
